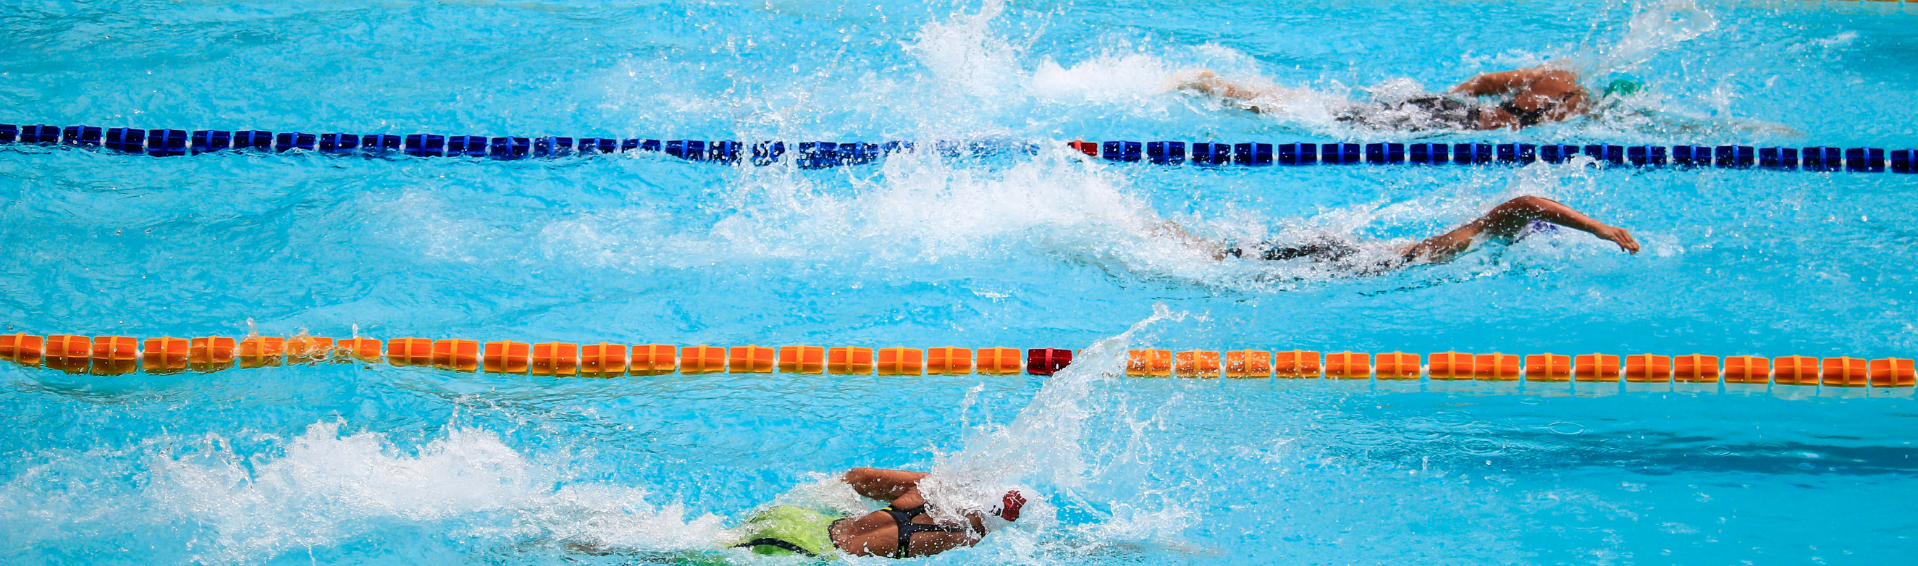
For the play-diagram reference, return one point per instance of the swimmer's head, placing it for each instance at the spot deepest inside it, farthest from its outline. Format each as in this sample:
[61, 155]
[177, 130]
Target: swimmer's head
[1006, 512]
[1011, 504]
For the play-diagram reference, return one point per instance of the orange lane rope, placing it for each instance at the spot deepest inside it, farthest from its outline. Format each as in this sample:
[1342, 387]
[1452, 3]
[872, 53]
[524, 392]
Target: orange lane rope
[117, 355]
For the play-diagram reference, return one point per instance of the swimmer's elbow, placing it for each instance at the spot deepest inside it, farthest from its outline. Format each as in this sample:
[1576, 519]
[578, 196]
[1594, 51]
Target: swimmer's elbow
[860, 476]
[1526, 205]
[1528, 201]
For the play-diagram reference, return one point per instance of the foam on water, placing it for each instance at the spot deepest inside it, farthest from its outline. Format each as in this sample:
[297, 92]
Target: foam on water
[971, 72]
[923, 209]
[1654, 28]
[1115, 78]
[915, 208]
[1044, 452]
[325, 488]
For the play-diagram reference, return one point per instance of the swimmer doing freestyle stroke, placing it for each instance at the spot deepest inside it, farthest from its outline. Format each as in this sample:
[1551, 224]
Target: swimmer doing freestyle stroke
[1521, 98]
[907, 527]
[1505, 223]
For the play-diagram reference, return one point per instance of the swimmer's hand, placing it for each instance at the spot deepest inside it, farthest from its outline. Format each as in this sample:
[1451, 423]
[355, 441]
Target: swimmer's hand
[1172, 230]
[1192, 79]
[1241, 94]
[1618, 236]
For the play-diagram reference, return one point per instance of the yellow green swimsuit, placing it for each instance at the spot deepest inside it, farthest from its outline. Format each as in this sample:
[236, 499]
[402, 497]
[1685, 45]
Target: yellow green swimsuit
[786, 530]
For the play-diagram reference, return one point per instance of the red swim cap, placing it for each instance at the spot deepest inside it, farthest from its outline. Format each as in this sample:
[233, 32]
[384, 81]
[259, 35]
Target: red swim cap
[1011, 505]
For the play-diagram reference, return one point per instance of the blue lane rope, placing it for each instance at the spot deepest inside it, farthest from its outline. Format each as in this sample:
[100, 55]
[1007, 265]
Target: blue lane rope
[1860, 159]
[166, 143]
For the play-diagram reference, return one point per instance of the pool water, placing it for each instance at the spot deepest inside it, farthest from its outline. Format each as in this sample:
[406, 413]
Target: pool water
[373, 464]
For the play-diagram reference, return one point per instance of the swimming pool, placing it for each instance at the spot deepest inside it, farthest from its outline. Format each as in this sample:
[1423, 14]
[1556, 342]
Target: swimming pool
[370, 463]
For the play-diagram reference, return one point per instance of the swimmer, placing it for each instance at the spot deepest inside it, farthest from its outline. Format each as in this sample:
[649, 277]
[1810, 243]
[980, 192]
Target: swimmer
[1523, 98]
[904, 529]
[1505, 223]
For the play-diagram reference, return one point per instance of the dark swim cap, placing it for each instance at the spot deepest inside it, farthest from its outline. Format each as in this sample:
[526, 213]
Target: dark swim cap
[1623, 87]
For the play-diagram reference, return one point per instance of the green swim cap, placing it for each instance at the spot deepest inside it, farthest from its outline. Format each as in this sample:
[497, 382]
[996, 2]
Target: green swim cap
[1623, 87]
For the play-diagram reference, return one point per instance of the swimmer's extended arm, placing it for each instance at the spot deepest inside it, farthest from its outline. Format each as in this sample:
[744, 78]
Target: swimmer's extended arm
[1250, 96]
[1206, 81]
[882, 484]
[1490, 84]
[1508, 82]
[1176, 232]
[1505, 220]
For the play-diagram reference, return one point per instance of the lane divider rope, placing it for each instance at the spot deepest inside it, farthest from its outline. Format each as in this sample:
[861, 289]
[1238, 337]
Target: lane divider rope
[821, 154]
[119, 355]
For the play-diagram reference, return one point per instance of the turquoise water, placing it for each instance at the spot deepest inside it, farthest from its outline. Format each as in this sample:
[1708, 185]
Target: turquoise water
[375, 464]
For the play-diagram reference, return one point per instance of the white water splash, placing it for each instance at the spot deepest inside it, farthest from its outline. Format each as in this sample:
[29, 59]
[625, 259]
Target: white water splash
[328, 488]
[971, 72]
[1652, 30]
[924, 210]
[916, 208]
[1043, 453]
[964, 54]
[1130, 78]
